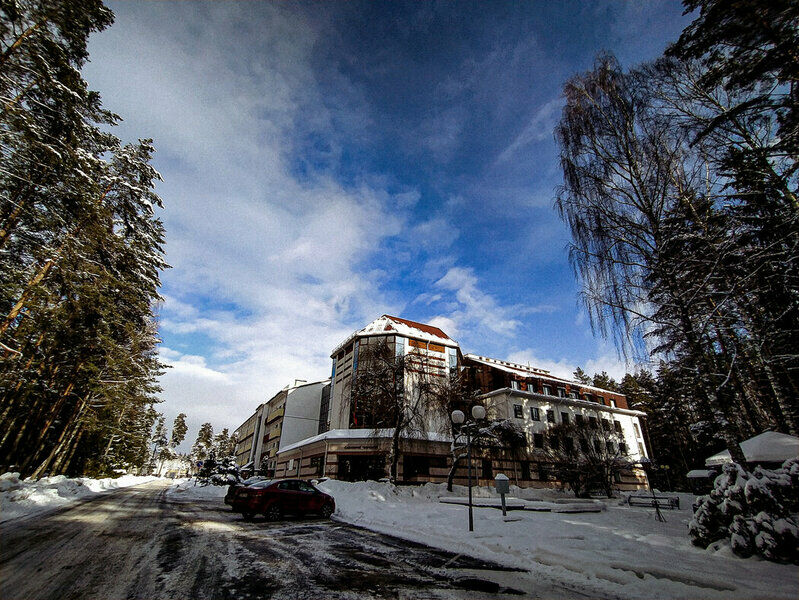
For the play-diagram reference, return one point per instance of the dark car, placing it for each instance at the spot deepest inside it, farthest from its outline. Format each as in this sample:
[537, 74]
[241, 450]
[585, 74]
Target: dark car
[231, 490]
[275, 498]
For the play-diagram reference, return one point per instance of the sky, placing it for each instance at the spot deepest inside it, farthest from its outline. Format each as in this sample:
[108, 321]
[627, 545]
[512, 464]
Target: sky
[326, 163]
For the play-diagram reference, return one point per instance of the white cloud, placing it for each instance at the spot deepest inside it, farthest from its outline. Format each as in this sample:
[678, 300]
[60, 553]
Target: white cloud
[474, 307]
[267, 264]
[605, 359]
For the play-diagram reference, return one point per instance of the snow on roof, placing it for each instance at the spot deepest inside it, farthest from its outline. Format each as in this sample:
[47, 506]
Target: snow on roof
[361, 434]
[387, 324]
[701, 474]
[528, 371]
[570, 401]
[769, 446]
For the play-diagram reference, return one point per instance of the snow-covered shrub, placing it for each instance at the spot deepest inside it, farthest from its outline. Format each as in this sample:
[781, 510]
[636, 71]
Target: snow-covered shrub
[752, 510]
[224, 471]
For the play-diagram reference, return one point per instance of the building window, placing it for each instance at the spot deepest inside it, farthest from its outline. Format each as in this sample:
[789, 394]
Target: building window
[584, 445]
[550, 416]
[574, 395]
[605, 424]
[399, 347]
[564, 418]
[611, 447]
[593, 423]
[316, 465]
[600, 399]
[561, 392]
[622, 448]
[613, 403]
[452, 354]
[547, 390]
[579, 420]
[617, 426]
[637, 431]
[641, 449]
[525, 470]
[568, 444]
[544, 472]
[488, 471]
[538, 440]
[514, 385]
[535, 414]
[355, 359]
[414, 466]
[597, 446]
[589, 398]
[517, 411]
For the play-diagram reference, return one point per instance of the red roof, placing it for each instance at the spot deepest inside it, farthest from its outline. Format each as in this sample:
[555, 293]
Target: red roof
[426, 328]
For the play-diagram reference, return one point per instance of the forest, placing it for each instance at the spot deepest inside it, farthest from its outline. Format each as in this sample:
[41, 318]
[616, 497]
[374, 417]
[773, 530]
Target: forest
[680, 191]
[80, 256]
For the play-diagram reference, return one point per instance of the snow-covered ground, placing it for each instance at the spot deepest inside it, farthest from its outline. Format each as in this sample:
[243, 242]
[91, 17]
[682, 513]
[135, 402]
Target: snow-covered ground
[188, 489]
[618, 552]
[20, 497]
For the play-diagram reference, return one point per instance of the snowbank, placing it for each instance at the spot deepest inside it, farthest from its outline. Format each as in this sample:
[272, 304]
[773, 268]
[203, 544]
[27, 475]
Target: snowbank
[619, 552]
[188, 489]
[23, 497]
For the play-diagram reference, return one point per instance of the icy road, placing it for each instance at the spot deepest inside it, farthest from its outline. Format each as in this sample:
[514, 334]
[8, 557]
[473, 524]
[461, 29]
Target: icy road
[141, 543]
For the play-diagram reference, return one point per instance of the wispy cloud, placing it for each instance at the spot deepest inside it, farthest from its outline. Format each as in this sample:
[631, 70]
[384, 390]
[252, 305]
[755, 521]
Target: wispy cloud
[540, 128]
[473, 306]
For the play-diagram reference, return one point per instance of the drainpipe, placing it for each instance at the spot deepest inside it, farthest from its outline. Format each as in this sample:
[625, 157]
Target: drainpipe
[324, 464]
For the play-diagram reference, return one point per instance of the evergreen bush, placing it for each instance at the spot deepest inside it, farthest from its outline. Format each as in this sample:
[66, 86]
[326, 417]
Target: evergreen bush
[755, 511]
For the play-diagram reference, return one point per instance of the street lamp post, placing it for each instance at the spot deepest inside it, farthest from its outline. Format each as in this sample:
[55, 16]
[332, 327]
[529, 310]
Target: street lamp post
[478, 414]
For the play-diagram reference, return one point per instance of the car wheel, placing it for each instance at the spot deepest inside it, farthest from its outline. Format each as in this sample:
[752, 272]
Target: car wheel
[248, 516]
[272, 513]
[327, 510]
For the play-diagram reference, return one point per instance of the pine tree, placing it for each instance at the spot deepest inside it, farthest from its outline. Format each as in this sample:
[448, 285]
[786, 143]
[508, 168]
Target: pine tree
[81, 252]
[204, 443]
[179, 430]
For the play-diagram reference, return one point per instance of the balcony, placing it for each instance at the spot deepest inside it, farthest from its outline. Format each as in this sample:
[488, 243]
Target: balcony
[275, 414]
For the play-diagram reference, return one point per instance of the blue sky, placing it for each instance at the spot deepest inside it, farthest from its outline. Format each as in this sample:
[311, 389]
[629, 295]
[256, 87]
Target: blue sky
[325, 163]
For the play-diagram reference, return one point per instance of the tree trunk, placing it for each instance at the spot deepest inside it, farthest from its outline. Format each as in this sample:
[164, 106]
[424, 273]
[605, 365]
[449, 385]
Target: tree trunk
[451, 476]
[17, 308]
[18, 42]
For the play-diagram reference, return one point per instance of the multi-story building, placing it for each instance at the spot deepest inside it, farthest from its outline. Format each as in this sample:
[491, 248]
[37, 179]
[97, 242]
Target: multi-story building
[289, 416]
[292, 415]
[249, 440]
[346, 446]
[536, 401]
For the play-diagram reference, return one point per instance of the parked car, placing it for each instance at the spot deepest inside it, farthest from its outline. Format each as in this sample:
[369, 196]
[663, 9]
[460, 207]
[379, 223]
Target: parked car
[275, 498]
[231, 489]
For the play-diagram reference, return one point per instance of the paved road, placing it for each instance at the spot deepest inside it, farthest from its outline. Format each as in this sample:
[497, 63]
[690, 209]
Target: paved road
[141, 543]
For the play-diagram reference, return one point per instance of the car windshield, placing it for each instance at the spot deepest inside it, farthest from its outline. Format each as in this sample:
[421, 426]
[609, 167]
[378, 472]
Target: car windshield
[262, 484]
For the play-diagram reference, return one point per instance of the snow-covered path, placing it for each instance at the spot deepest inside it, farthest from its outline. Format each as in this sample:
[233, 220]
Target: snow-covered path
[143, 542]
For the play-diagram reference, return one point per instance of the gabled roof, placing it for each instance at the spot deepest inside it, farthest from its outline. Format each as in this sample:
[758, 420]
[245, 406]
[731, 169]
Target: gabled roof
[386, 325]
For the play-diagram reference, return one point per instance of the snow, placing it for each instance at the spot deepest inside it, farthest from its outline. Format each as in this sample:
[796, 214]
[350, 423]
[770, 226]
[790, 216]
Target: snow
[188, 489]
[362, 434]
[619, 552]
[769, 446]
[701, 474]
[387, 325]
[20, 497]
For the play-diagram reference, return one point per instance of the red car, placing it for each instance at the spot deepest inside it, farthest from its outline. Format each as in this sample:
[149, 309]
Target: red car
[276, 497]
